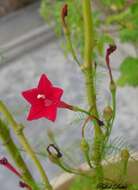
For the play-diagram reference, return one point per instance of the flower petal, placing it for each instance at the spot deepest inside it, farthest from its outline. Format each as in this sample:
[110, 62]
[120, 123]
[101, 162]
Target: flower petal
[36, 112]
[30, 95]
[56, 94]
[44, 85]
[51, 112]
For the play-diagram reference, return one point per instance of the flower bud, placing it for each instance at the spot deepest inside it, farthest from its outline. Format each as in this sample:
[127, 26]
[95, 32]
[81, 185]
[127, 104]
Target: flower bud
[125, 154]
[24, 185]
[7, 165]
[112, 86]
[64, 13]
[4, 161]
[109, 51]
[54, 153]
[84, 145]
[107, 113]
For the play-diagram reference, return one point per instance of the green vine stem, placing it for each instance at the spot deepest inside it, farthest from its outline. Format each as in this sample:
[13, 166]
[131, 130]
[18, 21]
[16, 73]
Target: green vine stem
[84, 144]
[64, 14]
[18, 130]
[15, 155]
[85, 150]
[70, 46]
[113, 93]
[110, 123]
[72, 170]
[59, 162]
[88, 69]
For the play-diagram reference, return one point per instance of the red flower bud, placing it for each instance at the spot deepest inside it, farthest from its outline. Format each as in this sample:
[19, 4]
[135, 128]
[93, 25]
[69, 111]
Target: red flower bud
[21, 184]
[3, 161]
[109, 51]
[64, 13]
[6, 164]
[24, 185]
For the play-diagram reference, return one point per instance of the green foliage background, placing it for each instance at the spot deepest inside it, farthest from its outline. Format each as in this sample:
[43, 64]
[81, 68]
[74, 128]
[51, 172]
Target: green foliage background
[129, 72]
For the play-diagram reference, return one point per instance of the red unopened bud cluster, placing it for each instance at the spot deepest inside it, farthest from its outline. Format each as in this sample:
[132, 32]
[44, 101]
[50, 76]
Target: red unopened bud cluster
[7, 165]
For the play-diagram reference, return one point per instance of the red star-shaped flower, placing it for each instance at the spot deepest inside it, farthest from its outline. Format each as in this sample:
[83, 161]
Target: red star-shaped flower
[44, 100]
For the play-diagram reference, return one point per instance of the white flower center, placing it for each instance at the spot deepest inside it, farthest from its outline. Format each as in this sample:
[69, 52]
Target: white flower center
[47, 102]
[41, 96]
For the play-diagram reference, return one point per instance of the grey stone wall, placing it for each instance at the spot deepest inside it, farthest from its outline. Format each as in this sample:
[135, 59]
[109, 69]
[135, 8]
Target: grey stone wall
[7, 6]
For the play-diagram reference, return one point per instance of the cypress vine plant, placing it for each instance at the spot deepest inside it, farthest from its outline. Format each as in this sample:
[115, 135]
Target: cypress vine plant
[45, 99]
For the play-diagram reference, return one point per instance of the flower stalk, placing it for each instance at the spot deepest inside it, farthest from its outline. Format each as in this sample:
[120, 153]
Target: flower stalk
[55, 156]
[88, 65]
[112, 88]
[88, 70]
[85, 149]
[64, 14]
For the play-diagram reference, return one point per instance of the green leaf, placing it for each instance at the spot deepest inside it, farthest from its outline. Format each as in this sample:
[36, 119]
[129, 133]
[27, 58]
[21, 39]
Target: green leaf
[129, 72]
[129, 35]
